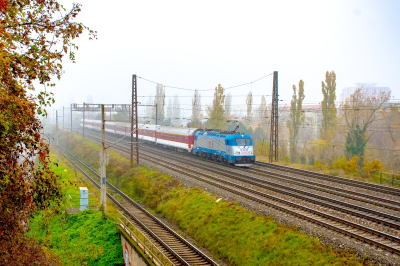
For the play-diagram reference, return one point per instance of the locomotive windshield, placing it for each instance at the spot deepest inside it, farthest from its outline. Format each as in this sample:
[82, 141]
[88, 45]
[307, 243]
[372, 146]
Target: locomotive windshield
[243, 142]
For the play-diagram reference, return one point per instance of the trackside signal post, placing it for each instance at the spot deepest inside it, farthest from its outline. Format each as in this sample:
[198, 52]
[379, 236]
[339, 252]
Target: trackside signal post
[134, 120]
[273, 141]
[103, 162]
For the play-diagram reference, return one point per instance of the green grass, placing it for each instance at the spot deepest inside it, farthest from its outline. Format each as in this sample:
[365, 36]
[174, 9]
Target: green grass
[245, 238]
[229, 231]
[86, 238]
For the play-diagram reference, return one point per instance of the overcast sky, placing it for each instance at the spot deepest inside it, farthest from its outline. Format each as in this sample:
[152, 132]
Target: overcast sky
[200, 44]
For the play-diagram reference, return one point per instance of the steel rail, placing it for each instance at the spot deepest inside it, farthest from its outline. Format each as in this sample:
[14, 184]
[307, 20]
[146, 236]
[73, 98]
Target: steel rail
[309, 196]
[336, 179]
[178, 168]
[310, 184]
[155, 219]
[137, 220]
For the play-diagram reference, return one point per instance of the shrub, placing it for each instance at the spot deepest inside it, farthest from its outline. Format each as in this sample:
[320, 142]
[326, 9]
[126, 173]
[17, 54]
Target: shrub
[373, 166]
[339, 164]
[286, 159]
[318, 164]
[352, 165]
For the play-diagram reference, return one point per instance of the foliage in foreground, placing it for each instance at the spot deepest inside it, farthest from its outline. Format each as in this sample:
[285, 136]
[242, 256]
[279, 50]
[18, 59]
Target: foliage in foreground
[34, 37]
[224, 228]
[86, 238]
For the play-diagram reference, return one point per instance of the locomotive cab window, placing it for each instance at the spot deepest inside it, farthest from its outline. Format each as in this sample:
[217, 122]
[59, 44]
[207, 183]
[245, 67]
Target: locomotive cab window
[243, 142]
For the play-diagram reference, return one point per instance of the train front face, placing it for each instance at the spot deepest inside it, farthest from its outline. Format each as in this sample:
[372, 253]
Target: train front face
[240, 150]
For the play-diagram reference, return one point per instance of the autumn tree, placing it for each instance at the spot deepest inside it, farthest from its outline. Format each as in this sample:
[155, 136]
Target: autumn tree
[359, 112]
[328, 106]
[294, 120]
[159, 100]
[169, 112]
[196, 109]
[34, 38]
[388, 139]
[216, 111]
[249, 104]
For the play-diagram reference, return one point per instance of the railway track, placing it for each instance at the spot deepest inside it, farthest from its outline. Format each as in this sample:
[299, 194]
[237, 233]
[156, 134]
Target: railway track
[363, 233]
[353, 195]
[331, 178]
[367, 198]
[178, 250]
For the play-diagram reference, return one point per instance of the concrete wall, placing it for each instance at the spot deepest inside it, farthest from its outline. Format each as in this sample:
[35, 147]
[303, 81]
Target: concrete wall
[131, 258]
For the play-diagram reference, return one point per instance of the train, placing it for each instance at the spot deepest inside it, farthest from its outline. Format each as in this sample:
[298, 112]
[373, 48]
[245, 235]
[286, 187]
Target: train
[229, 147]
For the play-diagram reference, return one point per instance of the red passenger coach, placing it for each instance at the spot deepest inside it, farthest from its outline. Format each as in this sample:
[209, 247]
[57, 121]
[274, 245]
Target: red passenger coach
[177, 138]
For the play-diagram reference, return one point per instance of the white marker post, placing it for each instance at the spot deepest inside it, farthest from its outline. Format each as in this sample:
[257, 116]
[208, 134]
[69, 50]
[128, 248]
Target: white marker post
[84, 198]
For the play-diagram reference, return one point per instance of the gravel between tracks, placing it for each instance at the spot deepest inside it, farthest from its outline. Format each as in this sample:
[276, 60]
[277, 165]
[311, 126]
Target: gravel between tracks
[326, 236]
[337, 240]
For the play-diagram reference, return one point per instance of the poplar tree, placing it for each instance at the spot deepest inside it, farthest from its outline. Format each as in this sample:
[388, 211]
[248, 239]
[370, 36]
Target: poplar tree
[329, 110]
[176, 110]
[159, 100]
[169, 112]
[263, 113]
[294, 120]
[228, 105]
[216, 112]
[249, 103]
[196, 109]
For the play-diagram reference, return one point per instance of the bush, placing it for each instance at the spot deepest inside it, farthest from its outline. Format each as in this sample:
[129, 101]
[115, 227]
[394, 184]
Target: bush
[371, 167]
[352, 165]
[340, 164]
[318, 164]
[286, 159]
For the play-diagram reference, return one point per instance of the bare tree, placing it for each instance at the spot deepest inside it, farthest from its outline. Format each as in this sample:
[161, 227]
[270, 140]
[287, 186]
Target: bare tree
[359, 113]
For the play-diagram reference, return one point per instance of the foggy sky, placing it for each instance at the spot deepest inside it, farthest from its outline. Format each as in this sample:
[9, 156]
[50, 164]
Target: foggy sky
[200, 44]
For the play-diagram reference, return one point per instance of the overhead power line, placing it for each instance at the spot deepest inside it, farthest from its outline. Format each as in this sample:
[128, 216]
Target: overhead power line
[251, 82]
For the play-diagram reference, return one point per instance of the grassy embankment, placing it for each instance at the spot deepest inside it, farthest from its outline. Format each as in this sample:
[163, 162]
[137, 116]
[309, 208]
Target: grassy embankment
[86, 238]
[224, 228]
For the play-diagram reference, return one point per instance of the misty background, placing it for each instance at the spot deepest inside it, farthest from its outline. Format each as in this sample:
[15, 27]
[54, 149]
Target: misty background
[198, 45]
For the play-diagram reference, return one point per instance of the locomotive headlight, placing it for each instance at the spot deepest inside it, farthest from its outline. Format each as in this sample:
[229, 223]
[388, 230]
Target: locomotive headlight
[237, 152]
[251, 152]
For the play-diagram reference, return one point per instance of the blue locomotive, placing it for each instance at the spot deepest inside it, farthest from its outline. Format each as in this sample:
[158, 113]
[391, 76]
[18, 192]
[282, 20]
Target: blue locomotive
[224, 146]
